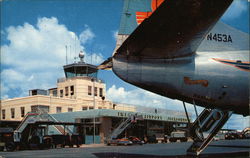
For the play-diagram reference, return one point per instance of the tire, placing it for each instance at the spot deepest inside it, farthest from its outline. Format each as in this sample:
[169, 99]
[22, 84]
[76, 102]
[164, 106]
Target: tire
[172, 140]
[10, 146]
[184, 140]
[47, 143]
[1, 148]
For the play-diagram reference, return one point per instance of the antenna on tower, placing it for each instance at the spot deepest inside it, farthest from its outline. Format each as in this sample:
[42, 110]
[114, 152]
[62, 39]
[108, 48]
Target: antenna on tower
[91, 57]
[70, 53]
[66, 54]
[75, 49]
[91, 51]
[96, 59]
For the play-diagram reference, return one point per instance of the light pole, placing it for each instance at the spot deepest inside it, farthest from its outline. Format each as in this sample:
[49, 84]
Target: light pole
[93, 80]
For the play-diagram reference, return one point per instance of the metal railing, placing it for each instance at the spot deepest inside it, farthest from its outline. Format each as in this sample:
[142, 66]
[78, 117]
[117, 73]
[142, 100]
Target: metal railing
[63, 79]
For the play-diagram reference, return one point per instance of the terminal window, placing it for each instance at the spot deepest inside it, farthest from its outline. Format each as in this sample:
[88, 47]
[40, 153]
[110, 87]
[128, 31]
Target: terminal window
[90, 130]
[12, 112]
[70, 109]
[71, 90]
[58, 109]
[66, 91]
[87, 120]
[100, 92]
[37, 108]
[22, 111]
[3, 114]
[61, 93]
[89, 90]
[95, 91]
[84, 108]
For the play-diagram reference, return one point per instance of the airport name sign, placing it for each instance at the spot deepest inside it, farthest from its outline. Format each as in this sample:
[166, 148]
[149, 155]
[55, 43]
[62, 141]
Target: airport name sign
[152, 117]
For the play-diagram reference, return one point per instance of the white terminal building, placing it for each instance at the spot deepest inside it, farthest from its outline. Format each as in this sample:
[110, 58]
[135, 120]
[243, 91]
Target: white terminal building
[81, 97]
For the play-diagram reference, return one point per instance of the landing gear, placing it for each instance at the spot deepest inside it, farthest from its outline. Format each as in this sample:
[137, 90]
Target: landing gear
[205, 127]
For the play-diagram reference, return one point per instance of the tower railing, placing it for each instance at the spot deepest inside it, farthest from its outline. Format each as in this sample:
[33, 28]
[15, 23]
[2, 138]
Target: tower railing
[63, 79]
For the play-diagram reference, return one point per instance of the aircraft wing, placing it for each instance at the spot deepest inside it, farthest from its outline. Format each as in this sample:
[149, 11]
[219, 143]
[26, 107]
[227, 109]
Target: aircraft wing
[175, 29]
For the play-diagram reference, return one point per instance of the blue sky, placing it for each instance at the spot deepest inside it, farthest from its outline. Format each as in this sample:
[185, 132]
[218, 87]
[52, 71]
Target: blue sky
[34, 34]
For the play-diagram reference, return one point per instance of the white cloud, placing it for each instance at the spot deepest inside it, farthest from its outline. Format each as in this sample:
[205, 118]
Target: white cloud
[86, 35]
[235, 10]
[237, 122]
[3, 91]
[30, 78]
[143, 98]
[94, 58]
[115, 34]
[2, 32]
[36, 53]
[12, 75]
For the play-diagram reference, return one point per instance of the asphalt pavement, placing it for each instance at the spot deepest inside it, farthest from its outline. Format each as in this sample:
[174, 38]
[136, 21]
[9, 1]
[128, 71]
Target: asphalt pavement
[222, 148]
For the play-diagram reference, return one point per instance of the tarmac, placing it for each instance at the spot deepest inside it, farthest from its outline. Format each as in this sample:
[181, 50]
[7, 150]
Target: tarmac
[222, 149]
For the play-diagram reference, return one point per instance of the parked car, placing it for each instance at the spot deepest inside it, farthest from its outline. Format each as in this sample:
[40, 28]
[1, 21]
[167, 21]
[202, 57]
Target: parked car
[122, 141]
[246, 133]
[229, 136]
[6, 139]
[178, 135]
[216, 138]
[136, 140]
[234, 134]
[219, 136]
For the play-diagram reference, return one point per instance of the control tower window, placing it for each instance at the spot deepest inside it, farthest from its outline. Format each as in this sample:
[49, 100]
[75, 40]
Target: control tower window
[66, 91]
[95, 91]
[12, 110]
[89, 90]
[71, 90]
[61, 93]
[100, 92]
[22, 111]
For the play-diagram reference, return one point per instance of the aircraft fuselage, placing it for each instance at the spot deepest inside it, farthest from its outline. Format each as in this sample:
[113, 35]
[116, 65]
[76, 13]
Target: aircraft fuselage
[212, 79]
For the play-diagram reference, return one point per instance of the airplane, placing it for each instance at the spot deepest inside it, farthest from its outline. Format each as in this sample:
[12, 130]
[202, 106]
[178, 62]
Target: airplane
[181, 50]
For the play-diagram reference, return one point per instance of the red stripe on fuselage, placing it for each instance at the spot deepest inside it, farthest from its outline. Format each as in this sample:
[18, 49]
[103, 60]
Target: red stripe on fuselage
[232, 63]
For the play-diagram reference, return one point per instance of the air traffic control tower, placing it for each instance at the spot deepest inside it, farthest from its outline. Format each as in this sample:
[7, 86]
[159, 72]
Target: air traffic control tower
[81, 82]
[80, 69]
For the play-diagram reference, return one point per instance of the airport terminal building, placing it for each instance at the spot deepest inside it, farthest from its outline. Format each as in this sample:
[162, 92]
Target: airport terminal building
[81, 97]
[106, 120]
